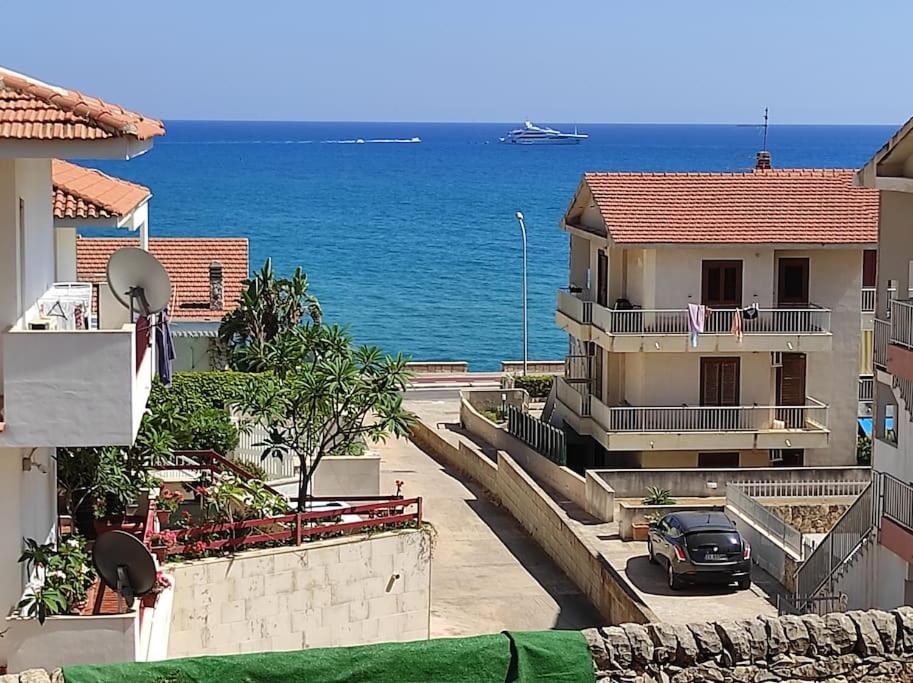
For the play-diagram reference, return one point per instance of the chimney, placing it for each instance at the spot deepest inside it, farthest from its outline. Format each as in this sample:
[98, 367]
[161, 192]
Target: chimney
[216, 289]
[762, 162]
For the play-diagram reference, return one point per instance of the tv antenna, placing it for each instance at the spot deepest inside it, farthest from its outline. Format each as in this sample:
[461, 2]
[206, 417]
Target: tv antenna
[124, 564]
[764, 126]
[138, 281]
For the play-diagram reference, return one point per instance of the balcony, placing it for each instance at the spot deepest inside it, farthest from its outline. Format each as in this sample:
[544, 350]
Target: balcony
[639, 428]
[627, 331]
[898, 354]
[867, 303]
[74, 387]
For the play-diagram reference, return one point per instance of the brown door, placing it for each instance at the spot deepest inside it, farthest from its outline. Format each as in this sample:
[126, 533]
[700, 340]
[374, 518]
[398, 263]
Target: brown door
[719, 381]
[791, 390]
[792, 282]
[602, 278]
[869, 268]
[721, 284]
[597, 372]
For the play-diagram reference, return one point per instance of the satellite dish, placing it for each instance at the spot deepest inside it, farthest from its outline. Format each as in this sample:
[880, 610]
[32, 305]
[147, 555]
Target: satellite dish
[124, 564]
[138, 280]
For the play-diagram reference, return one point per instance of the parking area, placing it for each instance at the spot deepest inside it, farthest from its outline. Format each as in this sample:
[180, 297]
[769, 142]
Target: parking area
[690, 603]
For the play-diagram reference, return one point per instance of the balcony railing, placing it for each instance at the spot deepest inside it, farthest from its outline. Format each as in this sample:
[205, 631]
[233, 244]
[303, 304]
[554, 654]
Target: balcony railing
[577, 368]
[638, 321]
[882, 335]
[866, 388]
[675, 321]
[812, 416]
[868, 299]
[901, 326]
[578, 401]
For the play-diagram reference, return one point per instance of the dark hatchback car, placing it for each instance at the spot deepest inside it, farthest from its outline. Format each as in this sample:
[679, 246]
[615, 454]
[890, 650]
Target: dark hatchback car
[700, 547]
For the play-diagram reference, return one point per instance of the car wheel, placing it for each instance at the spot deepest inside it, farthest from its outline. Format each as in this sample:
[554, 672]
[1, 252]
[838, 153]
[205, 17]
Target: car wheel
[745, 584]
[674, 582]
[650, 556]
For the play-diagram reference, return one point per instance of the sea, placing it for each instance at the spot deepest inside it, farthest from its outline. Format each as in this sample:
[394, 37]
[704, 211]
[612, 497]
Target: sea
[415, 246]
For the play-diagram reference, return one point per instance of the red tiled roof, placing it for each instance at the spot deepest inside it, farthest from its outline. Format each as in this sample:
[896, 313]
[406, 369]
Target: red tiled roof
[81, 193]
[32, 110]
[187, 262]
[780, 206]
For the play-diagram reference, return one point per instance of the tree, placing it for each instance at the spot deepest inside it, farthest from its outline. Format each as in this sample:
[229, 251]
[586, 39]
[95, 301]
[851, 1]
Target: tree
[269, 306]
[324, 396]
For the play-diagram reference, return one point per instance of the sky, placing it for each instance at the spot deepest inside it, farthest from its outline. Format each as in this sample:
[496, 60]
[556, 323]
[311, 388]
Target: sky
[650, 61]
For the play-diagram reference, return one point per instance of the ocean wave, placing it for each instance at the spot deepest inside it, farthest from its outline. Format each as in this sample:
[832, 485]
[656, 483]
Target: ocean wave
[354, 141]
[375, 141]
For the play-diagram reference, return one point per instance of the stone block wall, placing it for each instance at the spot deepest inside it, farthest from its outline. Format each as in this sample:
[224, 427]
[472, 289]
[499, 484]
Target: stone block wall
[811, 518]
[345, 591]
[868, 647]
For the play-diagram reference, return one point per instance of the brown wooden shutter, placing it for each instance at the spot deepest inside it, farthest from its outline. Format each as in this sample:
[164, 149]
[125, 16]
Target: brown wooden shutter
[869, 274]
[791, 384]
[729, 382]
[602, 278]
[719, 381]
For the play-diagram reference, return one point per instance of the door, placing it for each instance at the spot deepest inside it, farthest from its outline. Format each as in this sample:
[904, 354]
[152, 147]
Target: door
[721, 284]
[791, 390]
[792, 282]
[602, 278]
[719, 387]
[598, 355]
[869, 268]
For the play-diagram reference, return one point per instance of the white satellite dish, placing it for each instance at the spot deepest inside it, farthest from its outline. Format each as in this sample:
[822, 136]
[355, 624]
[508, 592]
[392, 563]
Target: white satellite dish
[138, 280]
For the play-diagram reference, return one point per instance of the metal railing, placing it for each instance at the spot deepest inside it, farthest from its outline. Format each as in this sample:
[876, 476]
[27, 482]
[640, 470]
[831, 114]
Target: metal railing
[901, 330]
[880, 346]
[811, 320]
[816, 604]
[248, 450]
[866, 388]
[801, 489]
[577, 368]
[575, 307]
[538, 435]
[868, 299]
[849, 534]
[764, 519]
[896, 499]
[812, 416]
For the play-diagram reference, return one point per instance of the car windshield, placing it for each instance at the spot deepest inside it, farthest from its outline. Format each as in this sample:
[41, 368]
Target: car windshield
[724, 541]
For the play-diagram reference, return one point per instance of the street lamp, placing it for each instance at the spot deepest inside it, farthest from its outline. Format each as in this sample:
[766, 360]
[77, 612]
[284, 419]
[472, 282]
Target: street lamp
[525, 326]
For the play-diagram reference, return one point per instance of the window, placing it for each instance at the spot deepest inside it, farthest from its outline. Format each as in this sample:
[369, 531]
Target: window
[718, 459]
[720, 381]
[869, 266]
[721, 284]
[792, 282]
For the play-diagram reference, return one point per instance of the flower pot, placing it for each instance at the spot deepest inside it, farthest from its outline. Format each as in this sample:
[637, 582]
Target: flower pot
[640, 531]
[163, 517]
[149, 599]
[106, 524]
[160, 553]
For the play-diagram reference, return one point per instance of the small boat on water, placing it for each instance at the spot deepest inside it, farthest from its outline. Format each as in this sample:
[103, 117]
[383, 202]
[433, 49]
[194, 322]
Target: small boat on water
[531, 134]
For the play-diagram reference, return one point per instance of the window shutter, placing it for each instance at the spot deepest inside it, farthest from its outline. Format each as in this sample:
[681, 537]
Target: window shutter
[792, 380]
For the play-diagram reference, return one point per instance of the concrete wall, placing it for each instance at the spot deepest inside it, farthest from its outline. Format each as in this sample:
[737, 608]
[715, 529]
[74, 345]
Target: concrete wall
[545, 521]
[192, 354]
[895, 228]
[630, 514]
[693, 483]
[561, 479]
[68, 641]
[347, 475]
[329, 593]
[600, 498]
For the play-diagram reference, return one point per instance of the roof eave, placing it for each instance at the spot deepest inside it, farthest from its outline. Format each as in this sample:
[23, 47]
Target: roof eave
[122, 148]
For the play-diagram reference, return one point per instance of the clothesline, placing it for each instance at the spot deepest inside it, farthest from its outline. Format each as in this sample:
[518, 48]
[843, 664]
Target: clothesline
[699, 314]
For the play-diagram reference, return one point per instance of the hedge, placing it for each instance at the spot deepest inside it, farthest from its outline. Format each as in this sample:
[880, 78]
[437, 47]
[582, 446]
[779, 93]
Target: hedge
[196, 391]
[538, 386]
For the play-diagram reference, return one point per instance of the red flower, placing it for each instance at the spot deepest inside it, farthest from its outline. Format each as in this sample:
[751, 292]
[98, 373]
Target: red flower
[202, 490]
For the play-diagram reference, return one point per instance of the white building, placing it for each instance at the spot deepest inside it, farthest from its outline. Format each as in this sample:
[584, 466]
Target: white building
[779, 253]
[62, 386]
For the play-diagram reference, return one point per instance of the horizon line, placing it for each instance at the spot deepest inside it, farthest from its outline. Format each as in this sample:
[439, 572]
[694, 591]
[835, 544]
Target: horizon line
[510, 123]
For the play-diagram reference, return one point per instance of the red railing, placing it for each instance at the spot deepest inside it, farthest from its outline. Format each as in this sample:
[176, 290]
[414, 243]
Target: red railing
[207, 461]
[299, 526]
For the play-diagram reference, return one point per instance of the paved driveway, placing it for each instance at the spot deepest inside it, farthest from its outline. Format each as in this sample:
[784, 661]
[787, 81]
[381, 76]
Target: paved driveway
[487, 574]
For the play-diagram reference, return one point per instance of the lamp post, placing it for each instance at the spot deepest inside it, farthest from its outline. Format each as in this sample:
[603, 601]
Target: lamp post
[525, 325]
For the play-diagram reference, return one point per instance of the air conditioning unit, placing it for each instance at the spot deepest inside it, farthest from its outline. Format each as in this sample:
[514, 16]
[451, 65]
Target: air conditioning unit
[776, 359]
[776, 455]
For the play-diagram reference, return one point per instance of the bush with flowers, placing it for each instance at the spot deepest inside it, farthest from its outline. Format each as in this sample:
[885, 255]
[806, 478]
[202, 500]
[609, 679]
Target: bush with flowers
[60, 577]
[168, 500]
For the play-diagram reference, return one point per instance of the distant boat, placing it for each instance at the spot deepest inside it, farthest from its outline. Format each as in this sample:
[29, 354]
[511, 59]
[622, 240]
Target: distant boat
[531, 134]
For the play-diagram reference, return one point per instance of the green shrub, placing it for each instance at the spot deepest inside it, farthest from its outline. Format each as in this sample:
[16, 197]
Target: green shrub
[864, 450]
[209, 428]
[255, 469]
[658, 496]
[538, 386]
[192, 391]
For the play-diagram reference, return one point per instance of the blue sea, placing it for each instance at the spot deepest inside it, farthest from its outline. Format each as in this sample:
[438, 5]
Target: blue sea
[415, 246]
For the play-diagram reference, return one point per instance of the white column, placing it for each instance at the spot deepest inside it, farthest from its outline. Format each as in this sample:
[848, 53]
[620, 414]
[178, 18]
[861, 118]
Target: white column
[144, 235]
[65, 253]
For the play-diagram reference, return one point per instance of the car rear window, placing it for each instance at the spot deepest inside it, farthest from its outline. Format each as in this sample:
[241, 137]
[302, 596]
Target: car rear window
[725, 541]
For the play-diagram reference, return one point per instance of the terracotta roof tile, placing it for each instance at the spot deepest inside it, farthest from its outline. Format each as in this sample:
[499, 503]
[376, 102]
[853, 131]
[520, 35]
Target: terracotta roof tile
[187, 262]
[32, 110]
[780, 206]
[85, 193]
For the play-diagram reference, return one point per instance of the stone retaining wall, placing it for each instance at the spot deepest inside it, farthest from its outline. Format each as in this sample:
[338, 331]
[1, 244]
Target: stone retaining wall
[810, 518]
[854, 646]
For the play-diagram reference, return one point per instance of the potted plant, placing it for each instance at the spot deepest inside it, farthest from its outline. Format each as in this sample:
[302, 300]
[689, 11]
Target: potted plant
[161, 584]
[167, 504]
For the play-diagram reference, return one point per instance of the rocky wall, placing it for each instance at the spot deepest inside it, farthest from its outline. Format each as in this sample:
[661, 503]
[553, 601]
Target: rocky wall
[842, 647]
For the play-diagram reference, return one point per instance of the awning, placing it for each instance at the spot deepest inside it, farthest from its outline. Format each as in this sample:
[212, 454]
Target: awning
[190, 328]
[865, 425]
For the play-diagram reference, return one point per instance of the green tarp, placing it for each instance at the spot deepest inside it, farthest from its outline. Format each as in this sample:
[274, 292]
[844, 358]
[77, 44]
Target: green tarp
[551, 656]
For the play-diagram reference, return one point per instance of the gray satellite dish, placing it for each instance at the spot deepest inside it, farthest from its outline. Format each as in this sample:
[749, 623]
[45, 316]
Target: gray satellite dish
[124, 564]
[138, 280]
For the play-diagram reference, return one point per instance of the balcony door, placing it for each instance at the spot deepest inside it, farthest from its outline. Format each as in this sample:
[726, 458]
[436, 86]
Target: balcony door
[792, 282]
[602, 279]
[720, 387]
[791, 390]
[721, 284]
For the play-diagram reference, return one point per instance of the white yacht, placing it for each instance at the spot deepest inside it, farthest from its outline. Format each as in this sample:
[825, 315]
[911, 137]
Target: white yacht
[531, 134]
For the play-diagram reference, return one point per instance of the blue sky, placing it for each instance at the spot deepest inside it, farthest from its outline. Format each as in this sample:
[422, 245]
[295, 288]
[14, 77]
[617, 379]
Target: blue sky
[810, 61]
